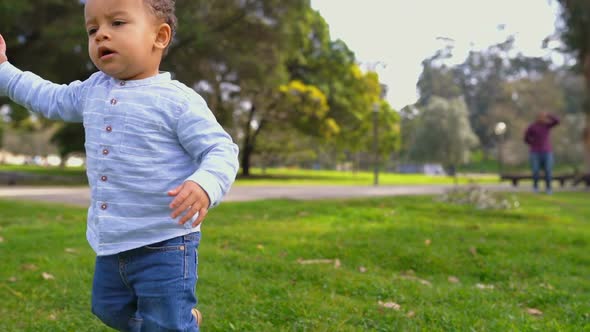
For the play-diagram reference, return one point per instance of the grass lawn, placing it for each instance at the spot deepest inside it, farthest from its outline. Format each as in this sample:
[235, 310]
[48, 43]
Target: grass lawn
[41, 170]
[283, 176]
[449, 268]
[286, 176]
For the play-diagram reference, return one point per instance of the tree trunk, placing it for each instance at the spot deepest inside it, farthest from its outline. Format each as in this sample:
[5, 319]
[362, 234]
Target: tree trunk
[246, 154]
[250, 141]
[587, 142]
[586, 138]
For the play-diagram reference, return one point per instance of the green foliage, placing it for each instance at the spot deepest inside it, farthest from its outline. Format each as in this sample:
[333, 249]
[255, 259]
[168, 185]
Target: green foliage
[575, 31]
[400, 250]
[444, 133]
[479, 80]
[576, 35]
[69, 138]
[237, 54]
[437, 79]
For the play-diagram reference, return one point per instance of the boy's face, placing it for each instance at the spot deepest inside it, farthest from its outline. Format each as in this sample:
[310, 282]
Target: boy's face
[122, 37]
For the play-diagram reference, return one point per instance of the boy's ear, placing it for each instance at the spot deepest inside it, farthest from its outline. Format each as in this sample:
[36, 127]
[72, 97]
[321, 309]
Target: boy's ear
[163, 36]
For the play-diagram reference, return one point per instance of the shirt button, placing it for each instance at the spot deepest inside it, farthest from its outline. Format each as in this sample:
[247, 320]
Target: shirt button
[103, 206]
[104, 178]
[113, 101]
[122, 83]
[109, 129]
[105, 152]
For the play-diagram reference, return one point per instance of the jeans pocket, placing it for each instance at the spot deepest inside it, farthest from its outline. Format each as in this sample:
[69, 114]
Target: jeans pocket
[174, 244]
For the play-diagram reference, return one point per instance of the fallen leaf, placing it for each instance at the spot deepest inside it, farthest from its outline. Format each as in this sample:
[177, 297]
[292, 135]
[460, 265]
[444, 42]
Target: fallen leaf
[15, 293]
[52, 317]
[303, 214]
[71, 250]
[427, 242]
[29, 267]
[260, 246]
[548, 286]
[12, 279]
[484, 286]
[1, 239]
[362, 269]
[47, 276]
[390, 213]
[534, 312]
[453, 280]
[473, 251]
[414, 278]
[314, 261]
[389, 305]
[336, 261]
[410, 314]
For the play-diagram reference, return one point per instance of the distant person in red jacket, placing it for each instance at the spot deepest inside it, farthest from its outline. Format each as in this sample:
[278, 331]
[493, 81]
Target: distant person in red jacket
[541, 156]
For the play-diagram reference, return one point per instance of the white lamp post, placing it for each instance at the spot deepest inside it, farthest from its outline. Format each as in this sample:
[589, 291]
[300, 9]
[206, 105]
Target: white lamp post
[499, 130]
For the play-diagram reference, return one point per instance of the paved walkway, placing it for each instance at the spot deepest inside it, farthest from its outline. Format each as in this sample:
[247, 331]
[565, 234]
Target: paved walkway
[81, 195]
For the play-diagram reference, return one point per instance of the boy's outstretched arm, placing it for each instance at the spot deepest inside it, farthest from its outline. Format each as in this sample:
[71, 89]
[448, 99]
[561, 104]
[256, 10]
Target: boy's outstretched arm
[58, 102]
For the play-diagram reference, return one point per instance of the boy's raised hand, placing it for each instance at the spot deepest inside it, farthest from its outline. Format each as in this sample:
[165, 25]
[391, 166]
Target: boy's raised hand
[3, 57]
[189, 198]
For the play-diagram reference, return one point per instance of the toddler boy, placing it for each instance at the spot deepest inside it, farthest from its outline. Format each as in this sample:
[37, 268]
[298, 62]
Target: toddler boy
[157, 160]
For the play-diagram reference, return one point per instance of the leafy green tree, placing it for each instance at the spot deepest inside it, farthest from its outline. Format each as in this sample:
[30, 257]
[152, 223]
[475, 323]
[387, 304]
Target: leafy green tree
[437, 79]
[67, 139]
[576, 35]
[444, 133]
[237, 54]
[517, 104]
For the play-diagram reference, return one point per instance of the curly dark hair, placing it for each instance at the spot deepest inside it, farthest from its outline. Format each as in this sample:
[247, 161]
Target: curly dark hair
[165, 11]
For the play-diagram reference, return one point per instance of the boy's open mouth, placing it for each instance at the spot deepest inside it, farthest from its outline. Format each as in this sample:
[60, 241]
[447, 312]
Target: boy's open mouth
[105, 52]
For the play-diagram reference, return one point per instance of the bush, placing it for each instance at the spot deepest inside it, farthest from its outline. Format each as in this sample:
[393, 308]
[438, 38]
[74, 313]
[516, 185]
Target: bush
[480, 198]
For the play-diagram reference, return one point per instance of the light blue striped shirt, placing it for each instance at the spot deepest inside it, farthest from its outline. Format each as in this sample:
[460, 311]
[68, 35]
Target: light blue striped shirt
[143, 138]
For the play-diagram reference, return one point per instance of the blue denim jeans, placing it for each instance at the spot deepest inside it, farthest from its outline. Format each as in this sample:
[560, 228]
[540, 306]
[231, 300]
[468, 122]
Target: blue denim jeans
[151, 288]
[542, 161]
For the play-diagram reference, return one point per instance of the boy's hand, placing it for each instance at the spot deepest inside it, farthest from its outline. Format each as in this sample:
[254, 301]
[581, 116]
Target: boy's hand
[190, 198]
[3, 57]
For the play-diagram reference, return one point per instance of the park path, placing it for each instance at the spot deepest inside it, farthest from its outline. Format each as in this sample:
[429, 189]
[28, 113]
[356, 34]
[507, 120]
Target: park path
[81, 195]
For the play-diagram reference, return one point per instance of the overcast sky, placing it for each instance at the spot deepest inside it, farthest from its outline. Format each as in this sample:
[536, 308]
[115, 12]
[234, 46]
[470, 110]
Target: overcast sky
[402, 33]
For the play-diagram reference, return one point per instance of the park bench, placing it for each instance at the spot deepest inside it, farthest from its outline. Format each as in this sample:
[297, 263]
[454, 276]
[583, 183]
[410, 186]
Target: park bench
[585, 178]
[562, 178]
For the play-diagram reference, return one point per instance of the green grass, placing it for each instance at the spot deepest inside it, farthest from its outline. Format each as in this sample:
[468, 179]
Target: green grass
[282, 176]
[286, 176]
[40, 170]
[250, 280]
[43, 176]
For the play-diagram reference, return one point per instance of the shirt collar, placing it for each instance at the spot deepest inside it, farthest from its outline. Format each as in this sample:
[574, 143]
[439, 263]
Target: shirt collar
[162, 77]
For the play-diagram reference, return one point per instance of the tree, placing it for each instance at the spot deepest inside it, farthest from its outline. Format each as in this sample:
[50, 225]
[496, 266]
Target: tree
[517, 104]
[576, 35]
[237, 54]
[437, 79]
[67, 139]
[444, 133]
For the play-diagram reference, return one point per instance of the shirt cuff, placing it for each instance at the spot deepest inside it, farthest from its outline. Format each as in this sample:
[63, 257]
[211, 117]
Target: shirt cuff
[7, 73]
[209, 185]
